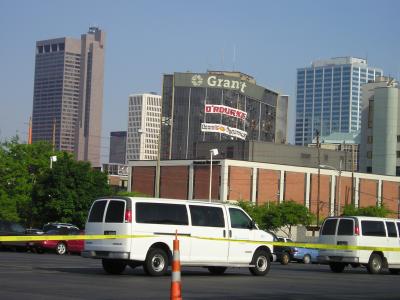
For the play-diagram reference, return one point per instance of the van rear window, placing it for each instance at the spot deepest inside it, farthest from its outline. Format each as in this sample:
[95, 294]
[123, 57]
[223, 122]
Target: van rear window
[97, 212]
[346, 227]
[115, 212]
[329, 227]
[373, 228]
[160, 213]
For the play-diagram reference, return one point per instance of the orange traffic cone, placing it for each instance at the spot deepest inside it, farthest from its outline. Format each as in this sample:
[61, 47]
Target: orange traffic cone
[176, 293]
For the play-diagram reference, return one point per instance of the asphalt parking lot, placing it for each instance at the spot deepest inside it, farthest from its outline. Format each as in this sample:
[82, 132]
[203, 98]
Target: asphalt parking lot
[49, 276]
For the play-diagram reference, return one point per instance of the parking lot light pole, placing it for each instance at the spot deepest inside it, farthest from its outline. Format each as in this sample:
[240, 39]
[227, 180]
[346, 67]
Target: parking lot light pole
[213, 152]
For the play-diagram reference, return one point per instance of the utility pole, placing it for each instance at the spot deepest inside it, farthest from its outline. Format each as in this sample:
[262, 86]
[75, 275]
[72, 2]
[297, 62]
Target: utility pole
[340, 175]
[352, 175]
[54, 134]
[319, 176]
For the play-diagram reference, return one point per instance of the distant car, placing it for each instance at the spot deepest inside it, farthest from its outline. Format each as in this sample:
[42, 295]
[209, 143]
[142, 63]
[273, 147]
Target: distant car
[305, 255]
[61, 247]
[284, 254]
[33, 231]
[51, 226]
[8, 228]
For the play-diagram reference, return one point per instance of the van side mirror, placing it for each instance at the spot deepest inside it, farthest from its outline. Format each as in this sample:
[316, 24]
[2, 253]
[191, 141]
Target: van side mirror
[252, 225]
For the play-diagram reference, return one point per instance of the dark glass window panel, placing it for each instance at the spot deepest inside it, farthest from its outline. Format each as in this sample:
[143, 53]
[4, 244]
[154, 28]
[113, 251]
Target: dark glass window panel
[329, 227]
[346, 227]
[115, 212]
[160, 213]
[373, 228]
[239, 219]
[207, 216]
[97, 212]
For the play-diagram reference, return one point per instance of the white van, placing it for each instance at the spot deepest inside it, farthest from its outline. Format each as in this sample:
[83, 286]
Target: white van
[212, 235]
[361, 231]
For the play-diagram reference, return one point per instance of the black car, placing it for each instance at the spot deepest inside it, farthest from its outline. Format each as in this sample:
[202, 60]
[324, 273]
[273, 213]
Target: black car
[284, 254]
[8, 228]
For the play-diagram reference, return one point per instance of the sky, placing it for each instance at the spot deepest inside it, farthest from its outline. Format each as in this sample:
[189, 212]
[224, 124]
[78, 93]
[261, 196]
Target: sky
[266, 39]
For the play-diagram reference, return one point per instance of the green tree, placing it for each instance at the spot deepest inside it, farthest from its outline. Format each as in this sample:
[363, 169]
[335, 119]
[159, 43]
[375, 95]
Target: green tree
[20, 165]
[369, 211]
[278, 216]
[65, 192]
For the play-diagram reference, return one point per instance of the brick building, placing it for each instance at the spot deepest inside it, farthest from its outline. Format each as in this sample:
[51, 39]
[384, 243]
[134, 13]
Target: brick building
[264, 182]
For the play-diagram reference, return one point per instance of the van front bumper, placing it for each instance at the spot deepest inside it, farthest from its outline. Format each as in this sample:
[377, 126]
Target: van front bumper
[105, 254]
[324, 259]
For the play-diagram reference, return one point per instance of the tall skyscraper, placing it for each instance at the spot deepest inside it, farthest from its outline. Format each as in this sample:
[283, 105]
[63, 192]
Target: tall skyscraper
[117, 147]
[329, 96]
[143, 127]
[68, 94]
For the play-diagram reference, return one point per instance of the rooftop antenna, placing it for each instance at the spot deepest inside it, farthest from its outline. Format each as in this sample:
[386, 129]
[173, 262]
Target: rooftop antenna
[222, 58]
[234, 57]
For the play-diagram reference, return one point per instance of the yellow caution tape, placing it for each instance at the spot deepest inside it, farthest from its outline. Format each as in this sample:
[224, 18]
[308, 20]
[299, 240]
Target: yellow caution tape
[30, 238]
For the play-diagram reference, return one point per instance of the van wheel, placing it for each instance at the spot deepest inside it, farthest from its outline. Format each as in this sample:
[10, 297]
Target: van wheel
[262, 262]
[307, 259]
[156, 263]
[61, 248]
[285, 259]
[113, 266]
[337, 267]
[374, 265]
[394, 271]
[217, 270]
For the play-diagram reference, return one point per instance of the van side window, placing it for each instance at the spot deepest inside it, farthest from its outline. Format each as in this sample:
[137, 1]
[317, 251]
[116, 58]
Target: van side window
[97, 212]
[160, 213]
[391, 228]
[115, 212]
[329, 227]
[345, 227]
[208, 216]
[239, 219]
[373, 228]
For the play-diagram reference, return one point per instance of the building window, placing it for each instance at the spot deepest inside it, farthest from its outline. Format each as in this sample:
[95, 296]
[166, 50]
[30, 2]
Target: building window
[369, 140]
[398, 138]
[370, 113]
[369, 154]
[398, 154]
[369, 169]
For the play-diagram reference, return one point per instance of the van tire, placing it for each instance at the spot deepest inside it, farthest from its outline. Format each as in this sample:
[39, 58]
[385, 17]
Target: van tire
[337, 267]
[113, 266]
[217, 270]
[307, 259]
[156, 263]
[262, 262]
[375, 264]
[285, 259]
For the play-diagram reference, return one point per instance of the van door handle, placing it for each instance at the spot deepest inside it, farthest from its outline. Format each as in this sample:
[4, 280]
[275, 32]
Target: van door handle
[224, 233]
[230, 233]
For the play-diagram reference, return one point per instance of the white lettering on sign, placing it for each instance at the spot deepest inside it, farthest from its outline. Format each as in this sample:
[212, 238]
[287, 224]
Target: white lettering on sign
[226, 83]
[226, 110]
[219, 128]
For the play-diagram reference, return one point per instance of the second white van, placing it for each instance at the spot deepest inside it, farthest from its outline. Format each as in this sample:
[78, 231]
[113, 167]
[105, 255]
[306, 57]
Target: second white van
[361, 231]
[212, 235]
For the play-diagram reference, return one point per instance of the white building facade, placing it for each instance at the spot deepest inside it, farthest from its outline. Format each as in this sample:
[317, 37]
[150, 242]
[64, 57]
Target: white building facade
[144, 120]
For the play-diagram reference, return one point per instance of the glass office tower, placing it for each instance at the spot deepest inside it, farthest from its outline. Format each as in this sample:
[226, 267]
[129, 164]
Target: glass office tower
[329, 96]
